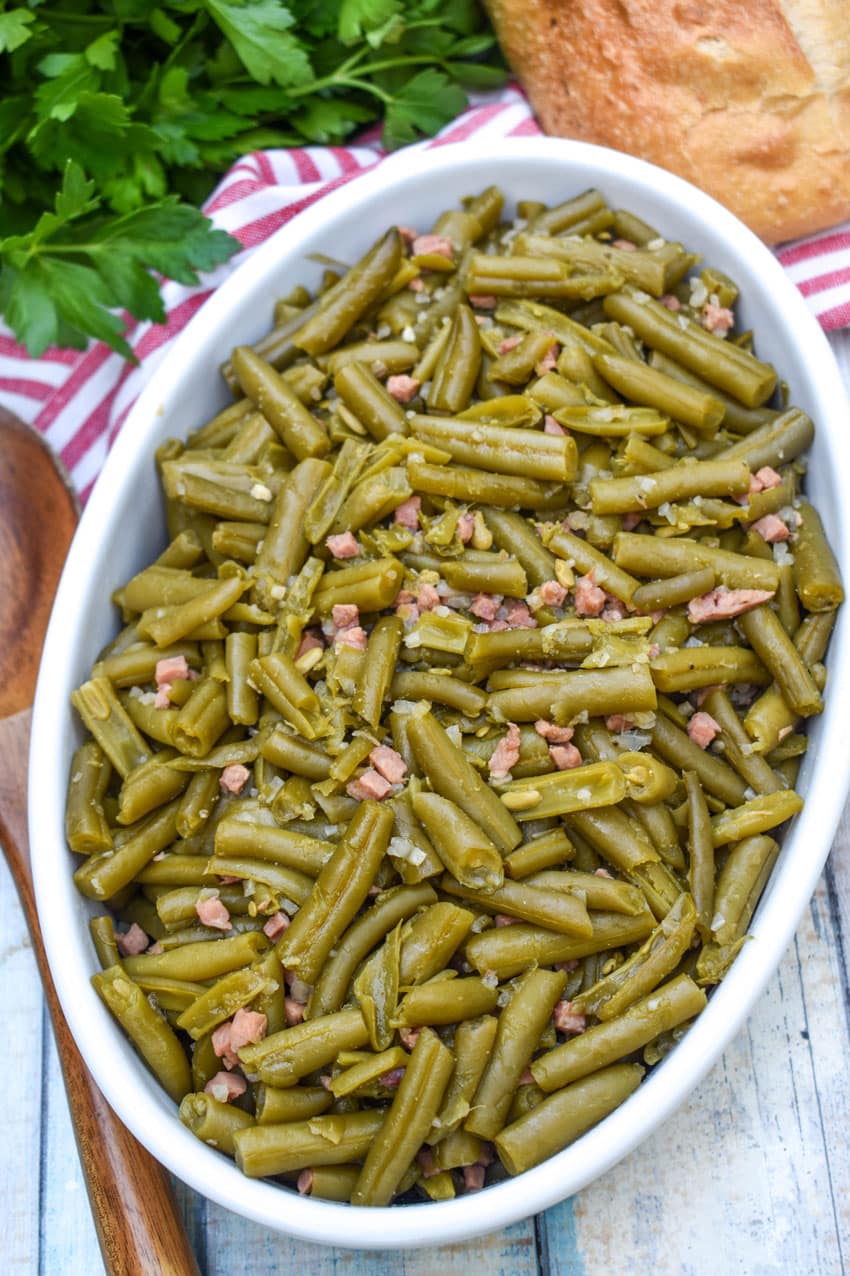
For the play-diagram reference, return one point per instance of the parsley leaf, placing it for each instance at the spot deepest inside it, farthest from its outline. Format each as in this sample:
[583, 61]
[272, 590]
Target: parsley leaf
[259, 32]
[423, 106]
[15, 29]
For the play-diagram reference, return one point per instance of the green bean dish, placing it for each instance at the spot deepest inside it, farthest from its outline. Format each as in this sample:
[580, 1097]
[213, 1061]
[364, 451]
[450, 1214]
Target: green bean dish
[441, 762]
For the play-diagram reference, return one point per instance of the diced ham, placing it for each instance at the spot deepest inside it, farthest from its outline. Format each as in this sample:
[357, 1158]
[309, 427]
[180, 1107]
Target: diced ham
[247, 1028]
[408, 513]
[162, 700]
[417, 284]
[402, 388]
[700, 696]
[602, 872]
[392, 1080]
[527, 1077]
[170, 669]
[293, 1011]
[211, 912]
[427, 1164]
[234, 777]
[223, 1047]
[551, 426]
[565, 756]
[626, 244]
[613, 610]
[589, 598]
[506, 753]
[408, 234]
[298, 990]
[369, 785]
[519, 617]
[433, 245]
[547, 363]
[771, 528]
[723, 604]
[502, 919]
[354, 637]
[310, 640]
[155, 949]
[552, 593]
[132, 942]
[494, 626]
[717, 318]
[486, 606]
[427, 597]
[553, 734]
[409, 1037]
[702, 728]
[408, 613]
[671, 301]
[389, 763]
[304, 1183]
[566, 1019]
[275, 926]
[618, 722]
[226, 1086]
[473, 1177]
[509, 343]
[764, 479]
[345, 615]
[345, 545]
[465, 527]
[482, 300]
[631, 520]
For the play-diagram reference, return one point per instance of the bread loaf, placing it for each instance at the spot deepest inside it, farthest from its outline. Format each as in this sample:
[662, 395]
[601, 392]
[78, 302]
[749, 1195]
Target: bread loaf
[748, 99]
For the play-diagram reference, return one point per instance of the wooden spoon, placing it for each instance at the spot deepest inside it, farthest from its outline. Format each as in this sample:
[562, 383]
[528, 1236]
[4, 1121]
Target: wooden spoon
[135, 1214]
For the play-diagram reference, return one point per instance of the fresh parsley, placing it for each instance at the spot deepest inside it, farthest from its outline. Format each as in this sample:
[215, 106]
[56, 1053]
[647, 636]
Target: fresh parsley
[118, 116]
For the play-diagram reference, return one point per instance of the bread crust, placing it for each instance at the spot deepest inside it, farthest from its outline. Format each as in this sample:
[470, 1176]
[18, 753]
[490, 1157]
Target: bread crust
[719, 91]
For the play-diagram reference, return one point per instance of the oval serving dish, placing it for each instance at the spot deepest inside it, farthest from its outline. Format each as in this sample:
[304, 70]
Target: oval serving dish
[123, 529]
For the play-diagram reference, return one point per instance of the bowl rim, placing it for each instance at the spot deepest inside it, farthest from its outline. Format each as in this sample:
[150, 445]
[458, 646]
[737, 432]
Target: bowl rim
[667, 1087]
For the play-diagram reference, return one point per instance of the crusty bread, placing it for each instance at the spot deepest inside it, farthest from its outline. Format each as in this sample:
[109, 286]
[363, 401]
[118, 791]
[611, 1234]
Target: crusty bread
[749, 99]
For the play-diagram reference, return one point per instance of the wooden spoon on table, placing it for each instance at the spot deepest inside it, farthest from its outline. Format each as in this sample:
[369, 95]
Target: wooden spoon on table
[135, 1214]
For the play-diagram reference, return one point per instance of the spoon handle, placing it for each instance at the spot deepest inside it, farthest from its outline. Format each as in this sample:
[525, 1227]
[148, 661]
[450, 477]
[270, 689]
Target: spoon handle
[136, 1217]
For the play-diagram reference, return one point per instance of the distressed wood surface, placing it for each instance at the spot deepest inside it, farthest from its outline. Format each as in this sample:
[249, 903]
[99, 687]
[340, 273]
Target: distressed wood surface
[750, 1178]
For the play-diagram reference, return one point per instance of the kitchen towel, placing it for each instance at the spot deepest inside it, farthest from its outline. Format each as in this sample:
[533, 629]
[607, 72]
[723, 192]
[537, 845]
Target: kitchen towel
[79, 399]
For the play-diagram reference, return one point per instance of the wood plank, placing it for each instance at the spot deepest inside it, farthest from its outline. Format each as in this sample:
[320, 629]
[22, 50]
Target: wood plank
[21, 1119]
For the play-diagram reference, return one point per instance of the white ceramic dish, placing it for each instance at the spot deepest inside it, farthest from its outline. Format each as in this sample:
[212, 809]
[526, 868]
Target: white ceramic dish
[122, 530]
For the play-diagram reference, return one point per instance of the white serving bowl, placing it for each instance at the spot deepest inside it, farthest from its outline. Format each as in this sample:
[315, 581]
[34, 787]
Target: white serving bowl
[123, 529]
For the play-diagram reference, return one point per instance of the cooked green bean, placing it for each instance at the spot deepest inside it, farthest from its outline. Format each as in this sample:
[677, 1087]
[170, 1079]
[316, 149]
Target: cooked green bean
[265, 1150]
[150, 1034]
[816, 574]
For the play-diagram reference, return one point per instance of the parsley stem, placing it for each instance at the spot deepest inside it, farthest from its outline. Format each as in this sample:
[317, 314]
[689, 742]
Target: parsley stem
[340, 78]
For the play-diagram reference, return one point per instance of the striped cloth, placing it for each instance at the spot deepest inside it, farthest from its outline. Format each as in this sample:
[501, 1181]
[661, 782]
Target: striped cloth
[80, 399]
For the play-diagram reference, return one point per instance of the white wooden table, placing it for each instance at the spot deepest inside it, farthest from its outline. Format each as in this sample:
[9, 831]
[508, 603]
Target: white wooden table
[750, 1178]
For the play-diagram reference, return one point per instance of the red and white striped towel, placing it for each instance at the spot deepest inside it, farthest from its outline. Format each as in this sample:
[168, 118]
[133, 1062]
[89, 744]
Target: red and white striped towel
[80, 399]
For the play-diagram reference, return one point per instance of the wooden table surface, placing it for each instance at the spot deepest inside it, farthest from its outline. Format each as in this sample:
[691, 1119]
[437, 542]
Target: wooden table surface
[750, 1177]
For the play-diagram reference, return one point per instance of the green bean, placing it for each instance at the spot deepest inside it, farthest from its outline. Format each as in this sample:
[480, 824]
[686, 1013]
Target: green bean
[651, 556]
[105, 873]
[86, 827]
[202, 720]
[628, 689]
[605, 1043]
[457, 367]
[657, 270]
[775, 443]
[105, 944]
[719, 362]
[646, 385]
[361, 390]
[606, 894]
[357, 291]
[540, 853]
[737, 747]
[599, 784]
[693, 667]
[452, 777]
[517, 276]
[509, 950]
[735, 884]
[296, 755]
[701, 870]
[414, 1107]
[255, 833]
[689, 478]
[816, 575]
[565, 913]
[370, 586]
[212, 1122]
[520, 1025]
[755, 816]
[330, 1183]
[295, 1103]
[148, 786]
[430, 940]
[284, 1057]
[419, 859]
[497, 449]
[464, 484]
[770, 718]
[340, 890]
[373, 685]
[265, 1150]
[639, 974]
[390, 356]
[564, 642]
[606, 574]
[107, 720]
[461, 844]
[442, 688]
[677, 748]
[445, 1001]
[285, 547]
[473, 1044]
[149, 1033]
[199, 961]
[367, 1072]
[658, 595]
